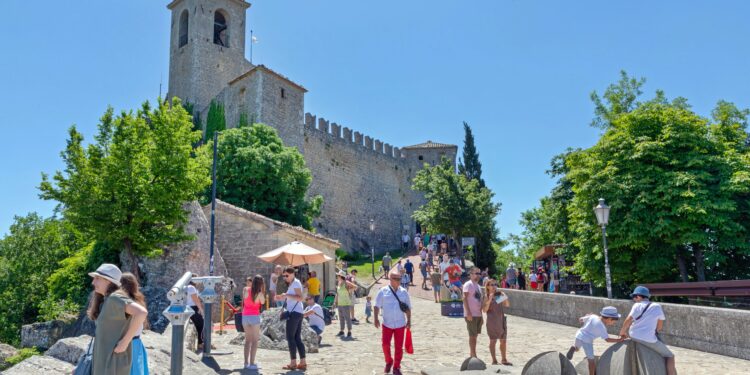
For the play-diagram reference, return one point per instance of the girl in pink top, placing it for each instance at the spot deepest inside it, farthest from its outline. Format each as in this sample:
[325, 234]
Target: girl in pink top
[253, 297]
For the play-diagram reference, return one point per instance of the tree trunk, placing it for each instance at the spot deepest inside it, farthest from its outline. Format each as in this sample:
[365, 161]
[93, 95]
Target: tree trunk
[700, 269]
[682, 265]
[132, 258]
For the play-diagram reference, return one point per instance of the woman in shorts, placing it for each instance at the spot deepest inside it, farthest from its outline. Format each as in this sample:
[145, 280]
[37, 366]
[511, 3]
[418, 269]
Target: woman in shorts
[253, 297]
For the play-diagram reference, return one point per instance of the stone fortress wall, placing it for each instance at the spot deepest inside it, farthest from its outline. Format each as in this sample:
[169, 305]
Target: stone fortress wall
[360, 178]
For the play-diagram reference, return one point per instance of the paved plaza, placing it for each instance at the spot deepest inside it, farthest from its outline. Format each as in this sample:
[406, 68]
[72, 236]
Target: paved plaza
[442, 341]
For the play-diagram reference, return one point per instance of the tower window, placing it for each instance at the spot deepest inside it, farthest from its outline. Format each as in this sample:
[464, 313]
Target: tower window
[221, 29]
[283, 93]
[421, 157]
[183, 28]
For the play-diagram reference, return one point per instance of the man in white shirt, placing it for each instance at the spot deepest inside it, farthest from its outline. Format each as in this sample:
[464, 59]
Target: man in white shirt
[395, 320]
[645, 320]
[314, 313]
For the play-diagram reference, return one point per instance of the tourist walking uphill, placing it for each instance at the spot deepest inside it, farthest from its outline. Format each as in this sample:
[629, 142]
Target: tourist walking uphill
[394, 304]
[494, 305]
[253, 297]
[294, 315]
[644, 323]
[344, 303]
[140, 359]
[118, 320]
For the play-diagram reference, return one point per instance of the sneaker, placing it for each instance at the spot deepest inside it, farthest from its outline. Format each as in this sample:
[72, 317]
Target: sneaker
[354, 320]
[341, 333]
[571, 351]
[251, 367]
[387, 368]
[396, 371]
[349, 334]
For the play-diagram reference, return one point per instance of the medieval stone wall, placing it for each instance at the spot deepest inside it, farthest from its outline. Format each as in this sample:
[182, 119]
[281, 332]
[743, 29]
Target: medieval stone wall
[360, 178]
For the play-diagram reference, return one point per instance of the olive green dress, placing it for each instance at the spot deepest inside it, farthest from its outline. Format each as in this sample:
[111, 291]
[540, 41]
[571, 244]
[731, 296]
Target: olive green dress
[111, 325]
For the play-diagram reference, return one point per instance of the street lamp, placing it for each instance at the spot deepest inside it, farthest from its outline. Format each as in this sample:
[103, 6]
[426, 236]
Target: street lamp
[602, 216]
[372, 246]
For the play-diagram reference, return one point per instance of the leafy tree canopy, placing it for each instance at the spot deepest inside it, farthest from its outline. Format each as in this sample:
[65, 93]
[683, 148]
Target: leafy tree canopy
[258, 173]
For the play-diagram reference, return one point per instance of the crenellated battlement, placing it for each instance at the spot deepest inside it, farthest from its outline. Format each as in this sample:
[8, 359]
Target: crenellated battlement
[353, 138]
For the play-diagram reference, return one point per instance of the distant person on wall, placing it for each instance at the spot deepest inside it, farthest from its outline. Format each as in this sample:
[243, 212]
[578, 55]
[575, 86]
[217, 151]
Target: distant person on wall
[594, 327]
[140, 358]
[644, 323]
[386, 262]
[409, 267]
[394, 305]
[313, 286]
[405, 241]
[473, 309]
[117, 319]
[511, 276]
[521, 279]
[494, 305]
[253, 297]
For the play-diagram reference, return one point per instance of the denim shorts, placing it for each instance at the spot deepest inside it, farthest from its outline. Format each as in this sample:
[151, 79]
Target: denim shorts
[317, 329]
[588, 348]
[250, 320]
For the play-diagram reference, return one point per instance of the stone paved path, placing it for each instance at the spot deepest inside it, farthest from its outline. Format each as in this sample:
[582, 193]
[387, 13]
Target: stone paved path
[442, 341]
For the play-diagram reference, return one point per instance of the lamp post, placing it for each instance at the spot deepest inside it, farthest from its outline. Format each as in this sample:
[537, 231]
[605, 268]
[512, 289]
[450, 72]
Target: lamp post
[372, 246]
[602, 217]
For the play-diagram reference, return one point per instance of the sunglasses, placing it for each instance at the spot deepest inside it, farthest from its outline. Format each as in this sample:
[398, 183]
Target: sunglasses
[477, 273]
[495, 285]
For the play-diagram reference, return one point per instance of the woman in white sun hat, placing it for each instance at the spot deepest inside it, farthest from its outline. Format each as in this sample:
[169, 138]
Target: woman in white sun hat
[117, 319]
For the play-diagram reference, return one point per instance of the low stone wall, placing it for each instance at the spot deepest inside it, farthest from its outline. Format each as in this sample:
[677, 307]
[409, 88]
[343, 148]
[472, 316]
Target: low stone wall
[708, 329]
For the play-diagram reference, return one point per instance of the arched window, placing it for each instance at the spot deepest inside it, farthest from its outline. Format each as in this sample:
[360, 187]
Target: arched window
[221, 29]
[183, 28]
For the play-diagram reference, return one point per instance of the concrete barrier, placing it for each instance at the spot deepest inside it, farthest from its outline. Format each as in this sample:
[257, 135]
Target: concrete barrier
[708, 329]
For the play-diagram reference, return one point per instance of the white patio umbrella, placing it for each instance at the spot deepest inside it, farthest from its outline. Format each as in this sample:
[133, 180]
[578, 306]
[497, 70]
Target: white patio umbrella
[295, 254]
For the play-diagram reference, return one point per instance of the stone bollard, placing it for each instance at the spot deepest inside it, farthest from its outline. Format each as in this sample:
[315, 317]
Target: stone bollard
[549, 363]
[628, 358]
[472, 364]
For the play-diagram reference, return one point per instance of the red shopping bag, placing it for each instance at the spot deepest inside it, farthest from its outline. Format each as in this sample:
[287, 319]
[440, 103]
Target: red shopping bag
[408, 346]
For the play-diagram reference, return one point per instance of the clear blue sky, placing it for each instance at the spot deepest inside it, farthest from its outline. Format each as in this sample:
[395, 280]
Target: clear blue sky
[520, 72]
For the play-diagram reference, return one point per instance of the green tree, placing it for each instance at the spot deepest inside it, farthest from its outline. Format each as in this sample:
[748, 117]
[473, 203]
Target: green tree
[196, 119]
[471, 168]
[257, 172]
[455, 204]
[127, 188]
[215, 120]
[28, 255]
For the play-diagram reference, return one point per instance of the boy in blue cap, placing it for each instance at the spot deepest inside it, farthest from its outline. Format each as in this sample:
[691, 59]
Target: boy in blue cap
[643, 324]
[594, 326]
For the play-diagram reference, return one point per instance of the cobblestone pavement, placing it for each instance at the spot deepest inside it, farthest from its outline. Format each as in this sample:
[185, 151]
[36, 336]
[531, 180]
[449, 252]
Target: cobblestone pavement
[442, 341]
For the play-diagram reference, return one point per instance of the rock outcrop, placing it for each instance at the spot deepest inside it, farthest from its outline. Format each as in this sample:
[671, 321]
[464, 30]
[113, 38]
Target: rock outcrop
[41, 365]
[6, 351]
[69, 349]
[158, 274]
[273, 333]
[43, 335]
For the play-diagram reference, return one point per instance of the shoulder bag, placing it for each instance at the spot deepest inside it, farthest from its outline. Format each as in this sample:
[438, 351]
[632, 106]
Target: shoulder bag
[285, 313]
[404, 307]
[84, 366]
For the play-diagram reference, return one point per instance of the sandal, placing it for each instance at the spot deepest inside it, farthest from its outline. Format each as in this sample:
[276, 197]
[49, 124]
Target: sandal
[289, 367]
[302, 367]
[506, 363]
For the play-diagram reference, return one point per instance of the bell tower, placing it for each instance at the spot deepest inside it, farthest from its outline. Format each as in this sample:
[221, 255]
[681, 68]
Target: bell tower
[206, 49]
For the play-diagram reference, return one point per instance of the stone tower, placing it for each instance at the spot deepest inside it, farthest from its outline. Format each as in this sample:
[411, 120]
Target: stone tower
[207, 48]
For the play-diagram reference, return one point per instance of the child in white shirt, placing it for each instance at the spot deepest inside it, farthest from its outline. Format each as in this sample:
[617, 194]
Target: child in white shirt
[594, 326]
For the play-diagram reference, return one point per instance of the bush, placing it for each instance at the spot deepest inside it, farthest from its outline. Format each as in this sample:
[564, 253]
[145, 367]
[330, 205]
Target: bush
[340, 253]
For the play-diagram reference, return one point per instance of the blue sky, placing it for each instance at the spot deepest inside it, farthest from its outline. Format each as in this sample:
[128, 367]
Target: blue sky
[520, 72]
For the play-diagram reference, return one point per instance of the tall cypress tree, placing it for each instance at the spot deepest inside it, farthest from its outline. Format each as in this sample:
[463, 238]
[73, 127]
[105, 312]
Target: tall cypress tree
[470, 166]
[215, 120]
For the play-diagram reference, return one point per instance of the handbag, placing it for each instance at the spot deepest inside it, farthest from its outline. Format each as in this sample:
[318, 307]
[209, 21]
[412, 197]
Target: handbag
[404, 307]
[408, 344]
[238, 322]
[84, 363]
[285, 313]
